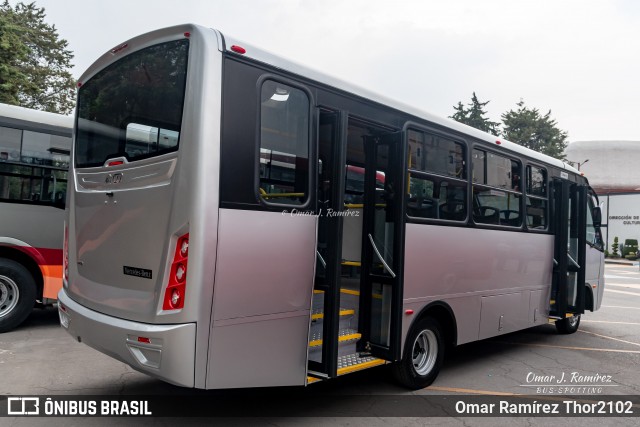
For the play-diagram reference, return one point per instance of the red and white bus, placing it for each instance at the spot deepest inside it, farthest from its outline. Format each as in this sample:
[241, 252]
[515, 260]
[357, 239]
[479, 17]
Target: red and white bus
[34, 159]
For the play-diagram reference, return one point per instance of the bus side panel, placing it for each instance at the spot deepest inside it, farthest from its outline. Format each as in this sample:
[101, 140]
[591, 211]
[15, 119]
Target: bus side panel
[41, 228]
[460, 265]
[262, 299]
[594, 276]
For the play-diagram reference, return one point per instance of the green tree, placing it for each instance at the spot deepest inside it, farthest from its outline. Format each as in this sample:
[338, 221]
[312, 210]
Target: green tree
[34, 61]
[474, 116]
[527, 127]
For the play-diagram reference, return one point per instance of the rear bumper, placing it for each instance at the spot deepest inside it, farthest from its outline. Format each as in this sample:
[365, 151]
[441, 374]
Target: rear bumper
[165, 351]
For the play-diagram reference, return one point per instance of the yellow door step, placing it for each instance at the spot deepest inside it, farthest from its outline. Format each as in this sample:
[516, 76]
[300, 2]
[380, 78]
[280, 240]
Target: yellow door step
[352, 363]
[344, 336]
[311, 380]
[318, 314]
[342, 290]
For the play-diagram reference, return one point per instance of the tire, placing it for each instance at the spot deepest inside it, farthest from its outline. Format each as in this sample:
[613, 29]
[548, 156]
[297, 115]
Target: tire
[17, 294]
[423, 355]
[568, 325]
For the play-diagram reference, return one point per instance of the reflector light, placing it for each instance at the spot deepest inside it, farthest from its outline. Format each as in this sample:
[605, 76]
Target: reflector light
[79, 84]
[187, 34]
[408, 312]
[177, 283]
[180, 272]
[498, 142]
[175, 297]
[65, 254]
[144, 340]
[238, 49]
[115, 163]
[62, 307]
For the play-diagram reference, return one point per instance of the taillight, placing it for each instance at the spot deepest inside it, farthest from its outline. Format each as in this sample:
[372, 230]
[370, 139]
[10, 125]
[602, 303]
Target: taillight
[175, 292]
[65, 256]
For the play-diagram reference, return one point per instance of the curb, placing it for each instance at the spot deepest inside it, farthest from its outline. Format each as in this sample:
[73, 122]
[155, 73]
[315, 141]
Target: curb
[620, 262]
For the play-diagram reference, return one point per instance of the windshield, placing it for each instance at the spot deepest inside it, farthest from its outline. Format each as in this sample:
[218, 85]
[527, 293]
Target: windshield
[133, 108]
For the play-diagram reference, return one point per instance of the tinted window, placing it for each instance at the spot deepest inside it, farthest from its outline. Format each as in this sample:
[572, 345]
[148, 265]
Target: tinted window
[536, 181]
[536, 198]
[437, 177]
[23, 183]
[284, 144]
[496, 171]
[435, 154]
[497, 189]
[10, 141]
[146, 89]
[45, 149]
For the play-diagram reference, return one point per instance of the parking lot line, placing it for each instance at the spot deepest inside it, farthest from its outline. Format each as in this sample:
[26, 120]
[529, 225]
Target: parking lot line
[569, 347]
[621, 292]
[610, 338]
[624, 285]
[621, 306]
[470, 391]
[607, 321]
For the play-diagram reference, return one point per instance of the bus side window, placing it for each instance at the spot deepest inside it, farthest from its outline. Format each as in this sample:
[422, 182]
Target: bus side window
[284, 144]
[536, 198]
[437, 177]
[497, 189]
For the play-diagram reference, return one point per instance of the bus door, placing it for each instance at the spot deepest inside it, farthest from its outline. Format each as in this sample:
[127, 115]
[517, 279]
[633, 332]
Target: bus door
[569, 216]
[326, 313]
[382, 247]
[355, 319]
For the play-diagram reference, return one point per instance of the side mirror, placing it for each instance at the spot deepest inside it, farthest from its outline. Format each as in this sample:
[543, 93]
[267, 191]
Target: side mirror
[596, 213]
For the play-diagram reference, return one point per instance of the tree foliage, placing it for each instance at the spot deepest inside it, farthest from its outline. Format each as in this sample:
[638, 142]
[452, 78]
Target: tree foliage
[34, 61]
[527, 127]
[475, 116]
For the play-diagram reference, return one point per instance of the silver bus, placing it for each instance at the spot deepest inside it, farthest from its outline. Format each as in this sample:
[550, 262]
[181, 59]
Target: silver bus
[237, 220]
[34, 159]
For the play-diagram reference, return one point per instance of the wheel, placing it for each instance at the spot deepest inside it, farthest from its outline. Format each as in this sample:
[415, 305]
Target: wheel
[17, 294]
[568, 325]
[423, 355]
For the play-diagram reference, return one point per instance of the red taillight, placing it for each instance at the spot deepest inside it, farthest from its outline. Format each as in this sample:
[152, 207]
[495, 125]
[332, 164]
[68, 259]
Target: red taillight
[174, 294]
[238, 49]
[65, 255]
[119, 48]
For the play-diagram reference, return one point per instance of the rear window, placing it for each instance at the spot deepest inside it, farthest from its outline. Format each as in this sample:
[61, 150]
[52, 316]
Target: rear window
[133, 108]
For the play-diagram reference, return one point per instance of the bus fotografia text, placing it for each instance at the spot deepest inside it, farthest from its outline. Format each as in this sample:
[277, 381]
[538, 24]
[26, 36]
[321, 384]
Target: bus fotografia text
[34, 159]
[201, 251]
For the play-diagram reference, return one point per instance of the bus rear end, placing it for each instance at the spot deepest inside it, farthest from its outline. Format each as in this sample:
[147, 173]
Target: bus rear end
[139, 225]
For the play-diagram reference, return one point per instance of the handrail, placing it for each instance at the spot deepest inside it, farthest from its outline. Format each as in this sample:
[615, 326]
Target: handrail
[322, 261]
[272, 195]
[361, 205]
[384, 263]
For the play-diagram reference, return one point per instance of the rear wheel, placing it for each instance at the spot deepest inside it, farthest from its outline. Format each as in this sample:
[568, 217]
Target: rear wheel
[568, 325]
[423, 355]
[17, 294]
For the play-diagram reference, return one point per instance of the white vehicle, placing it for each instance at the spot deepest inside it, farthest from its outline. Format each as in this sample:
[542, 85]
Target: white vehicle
[281, 227]
[34, 159]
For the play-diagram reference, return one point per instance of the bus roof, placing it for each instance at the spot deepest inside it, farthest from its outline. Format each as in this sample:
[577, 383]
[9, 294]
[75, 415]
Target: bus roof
[35, 116]
[226, 42]
[266, 57]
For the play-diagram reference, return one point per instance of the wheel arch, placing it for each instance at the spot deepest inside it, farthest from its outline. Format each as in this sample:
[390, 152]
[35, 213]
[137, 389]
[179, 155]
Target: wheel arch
[28, 262]
[589, 301]
[443, 313]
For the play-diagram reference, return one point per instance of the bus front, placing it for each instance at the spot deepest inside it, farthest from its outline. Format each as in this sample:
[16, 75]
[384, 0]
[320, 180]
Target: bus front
[139, 223]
